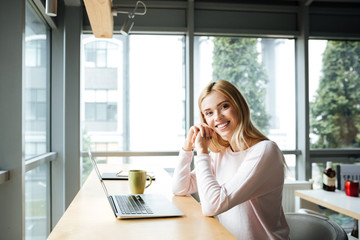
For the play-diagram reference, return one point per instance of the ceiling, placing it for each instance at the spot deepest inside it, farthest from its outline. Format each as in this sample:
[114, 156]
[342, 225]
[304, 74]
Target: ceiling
[263, 2]
[102, 21]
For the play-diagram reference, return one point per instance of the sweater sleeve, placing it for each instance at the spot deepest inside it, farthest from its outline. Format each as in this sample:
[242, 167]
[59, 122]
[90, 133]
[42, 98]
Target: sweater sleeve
[260, 173]
[184, 180]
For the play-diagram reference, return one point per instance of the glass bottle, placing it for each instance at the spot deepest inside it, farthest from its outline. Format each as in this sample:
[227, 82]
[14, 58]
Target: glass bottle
[329, 177]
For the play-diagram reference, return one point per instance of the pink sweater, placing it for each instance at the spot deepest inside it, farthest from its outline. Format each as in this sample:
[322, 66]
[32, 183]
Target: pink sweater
[243, 189]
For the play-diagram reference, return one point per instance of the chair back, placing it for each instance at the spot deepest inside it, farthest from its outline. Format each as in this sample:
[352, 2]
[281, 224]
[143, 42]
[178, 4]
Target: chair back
[311, 227]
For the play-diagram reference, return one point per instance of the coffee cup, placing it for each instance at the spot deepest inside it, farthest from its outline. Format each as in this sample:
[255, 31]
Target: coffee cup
[352, 188]
[137, 181]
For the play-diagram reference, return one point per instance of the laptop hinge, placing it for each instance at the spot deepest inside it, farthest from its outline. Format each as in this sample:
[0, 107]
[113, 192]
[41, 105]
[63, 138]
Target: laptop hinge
[111, 200]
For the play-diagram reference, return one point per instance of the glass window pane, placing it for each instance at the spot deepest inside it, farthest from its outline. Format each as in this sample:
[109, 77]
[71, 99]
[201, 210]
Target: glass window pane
[41, 95]
[36, 122]
[111, 112]
[334, 71]
[144, 93]
[89, 111]
[30, 148]
[156, 93]
[90, 58]
[101, 95]
[169, 52]
[290, 171]
[37, 202]
[41, 147]
[264, 71]
[30, 114]
[101, 58]
[36, 83]
[33, 94]
[101, 111]
[41, 111]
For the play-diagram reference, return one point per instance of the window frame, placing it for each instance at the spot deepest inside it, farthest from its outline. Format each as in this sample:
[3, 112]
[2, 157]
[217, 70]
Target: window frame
[43, 159]
[189, 114]
[335, 155]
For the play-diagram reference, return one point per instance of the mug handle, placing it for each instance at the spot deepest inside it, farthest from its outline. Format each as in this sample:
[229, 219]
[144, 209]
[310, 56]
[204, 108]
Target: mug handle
[150, 181]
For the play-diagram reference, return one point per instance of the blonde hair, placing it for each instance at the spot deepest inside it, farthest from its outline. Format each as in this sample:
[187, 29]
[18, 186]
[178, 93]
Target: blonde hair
[245, 131]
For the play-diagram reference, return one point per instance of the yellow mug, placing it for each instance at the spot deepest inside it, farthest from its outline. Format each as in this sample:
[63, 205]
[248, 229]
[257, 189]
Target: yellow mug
[137, 181]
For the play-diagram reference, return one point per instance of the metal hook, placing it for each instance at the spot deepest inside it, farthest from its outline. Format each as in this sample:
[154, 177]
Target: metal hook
[132, 13]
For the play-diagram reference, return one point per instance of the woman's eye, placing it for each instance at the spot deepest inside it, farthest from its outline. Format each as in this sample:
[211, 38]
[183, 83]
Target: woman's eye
[225, 106]
[208, 114]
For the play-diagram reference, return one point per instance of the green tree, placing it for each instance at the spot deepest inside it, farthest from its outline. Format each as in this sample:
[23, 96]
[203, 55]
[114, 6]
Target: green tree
[335, 111]
[236, 60]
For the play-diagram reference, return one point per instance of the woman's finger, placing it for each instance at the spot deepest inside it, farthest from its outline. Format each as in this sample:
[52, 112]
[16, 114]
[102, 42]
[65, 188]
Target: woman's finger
[211, 133]
[190, 139]
[201, 144]
[195, 131]
[207, 131]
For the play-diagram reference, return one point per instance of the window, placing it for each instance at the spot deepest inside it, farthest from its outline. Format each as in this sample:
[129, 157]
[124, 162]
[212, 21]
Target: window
[99, 53]
[101, 112]
[37, 207]
[151, 109]
[36, 125]
[156, 93]
[334, 100]
[264, 71]
[334, 96]
[36, 84]
[136, 102]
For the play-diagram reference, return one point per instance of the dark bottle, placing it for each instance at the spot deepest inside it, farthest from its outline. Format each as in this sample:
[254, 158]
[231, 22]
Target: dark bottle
[329, 178]
[355, 231]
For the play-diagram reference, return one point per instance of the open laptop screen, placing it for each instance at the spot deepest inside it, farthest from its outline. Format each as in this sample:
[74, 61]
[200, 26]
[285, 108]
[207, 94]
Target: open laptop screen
[98, 173]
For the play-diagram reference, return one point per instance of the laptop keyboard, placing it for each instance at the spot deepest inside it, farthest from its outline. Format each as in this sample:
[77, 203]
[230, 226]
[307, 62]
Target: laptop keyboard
[132, 204]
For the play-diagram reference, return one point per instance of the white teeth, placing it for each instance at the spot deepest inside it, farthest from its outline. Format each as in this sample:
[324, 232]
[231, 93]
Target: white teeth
[222, 125]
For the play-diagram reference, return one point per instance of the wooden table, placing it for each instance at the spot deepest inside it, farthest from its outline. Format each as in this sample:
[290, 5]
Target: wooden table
[337, 201]
[89, 216]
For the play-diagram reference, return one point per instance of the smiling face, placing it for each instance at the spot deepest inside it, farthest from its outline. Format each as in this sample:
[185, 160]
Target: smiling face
[219, 114]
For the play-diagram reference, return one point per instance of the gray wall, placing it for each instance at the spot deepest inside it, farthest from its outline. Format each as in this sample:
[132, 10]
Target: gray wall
[11, 158]
[65, 121]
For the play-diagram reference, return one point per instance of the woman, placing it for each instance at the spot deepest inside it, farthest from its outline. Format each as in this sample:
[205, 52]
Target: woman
[241, 180]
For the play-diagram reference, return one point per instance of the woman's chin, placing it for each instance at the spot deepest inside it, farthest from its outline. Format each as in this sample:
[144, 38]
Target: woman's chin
[224, 137]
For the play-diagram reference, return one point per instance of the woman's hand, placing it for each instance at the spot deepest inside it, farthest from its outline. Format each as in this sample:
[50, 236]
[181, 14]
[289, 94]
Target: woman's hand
[199, 137]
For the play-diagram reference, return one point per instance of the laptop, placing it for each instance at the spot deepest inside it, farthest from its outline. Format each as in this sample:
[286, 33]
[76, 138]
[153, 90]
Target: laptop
[127, 206]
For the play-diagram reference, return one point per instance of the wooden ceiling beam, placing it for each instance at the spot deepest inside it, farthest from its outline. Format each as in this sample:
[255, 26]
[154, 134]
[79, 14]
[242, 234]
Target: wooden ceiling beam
[100, 17]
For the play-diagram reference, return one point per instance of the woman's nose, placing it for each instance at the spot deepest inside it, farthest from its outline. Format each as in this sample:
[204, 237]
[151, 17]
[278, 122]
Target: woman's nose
[218, 115]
